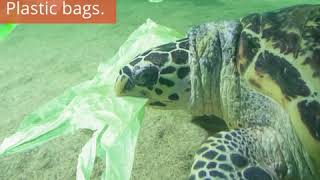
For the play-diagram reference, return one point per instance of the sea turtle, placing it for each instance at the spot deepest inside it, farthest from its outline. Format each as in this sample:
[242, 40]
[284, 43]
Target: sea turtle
[260, 74]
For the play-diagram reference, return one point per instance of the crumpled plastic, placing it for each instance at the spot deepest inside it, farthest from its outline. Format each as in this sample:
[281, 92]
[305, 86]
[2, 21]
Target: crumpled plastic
[155, 1]
[115, 121]
[5, 29]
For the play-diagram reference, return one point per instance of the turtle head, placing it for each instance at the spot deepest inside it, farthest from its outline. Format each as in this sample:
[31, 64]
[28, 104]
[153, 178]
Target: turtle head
[161, 75]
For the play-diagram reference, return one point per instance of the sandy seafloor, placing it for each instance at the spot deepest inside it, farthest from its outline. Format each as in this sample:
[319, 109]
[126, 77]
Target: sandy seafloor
[39, 62]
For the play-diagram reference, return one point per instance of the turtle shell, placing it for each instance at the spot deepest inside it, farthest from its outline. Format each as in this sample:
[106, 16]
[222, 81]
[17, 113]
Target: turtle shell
[279, 56]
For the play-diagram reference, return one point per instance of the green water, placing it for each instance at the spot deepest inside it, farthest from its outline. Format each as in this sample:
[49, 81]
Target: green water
[39, 62]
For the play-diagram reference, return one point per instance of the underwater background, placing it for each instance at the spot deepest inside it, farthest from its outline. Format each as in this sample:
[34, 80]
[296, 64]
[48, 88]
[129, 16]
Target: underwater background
[39, 62]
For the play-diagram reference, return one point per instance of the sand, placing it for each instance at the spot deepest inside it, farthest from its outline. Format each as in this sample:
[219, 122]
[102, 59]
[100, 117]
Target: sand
[39, 62]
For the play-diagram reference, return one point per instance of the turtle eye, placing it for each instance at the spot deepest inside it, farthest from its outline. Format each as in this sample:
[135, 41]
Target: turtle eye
[126, 70]
[146, 76]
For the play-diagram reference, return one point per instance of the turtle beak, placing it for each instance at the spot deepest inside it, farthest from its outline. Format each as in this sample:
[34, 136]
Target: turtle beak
[123, 85]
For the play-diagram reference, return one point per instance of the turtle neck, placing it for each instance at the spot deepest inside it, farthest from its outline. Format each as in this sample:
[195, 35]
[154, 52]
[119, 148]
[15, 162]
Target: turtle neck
[212, 53]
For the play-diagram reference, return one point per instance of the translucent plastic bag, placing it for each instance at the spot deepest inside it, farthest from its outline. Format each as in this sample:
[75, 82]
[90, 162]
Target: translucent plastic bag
[5, 29]
[93, 105]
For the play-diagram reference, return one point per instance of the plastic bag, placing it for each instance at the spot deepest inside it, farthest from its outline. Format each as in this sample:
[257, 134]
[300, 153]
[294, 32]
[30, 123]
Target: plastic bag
[155, 1]
[5, 29]
[93, 105]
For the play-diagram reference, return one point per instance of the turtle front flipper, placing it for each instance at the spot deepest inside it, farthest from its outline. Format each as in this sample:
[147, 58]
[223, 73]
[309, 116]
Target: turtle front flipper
[251, 153]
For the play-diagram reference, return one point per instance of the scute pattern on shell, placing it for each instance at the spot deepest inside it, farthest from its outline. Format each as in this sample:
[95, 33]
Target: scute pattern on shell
[294, 32]
[279, 56]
